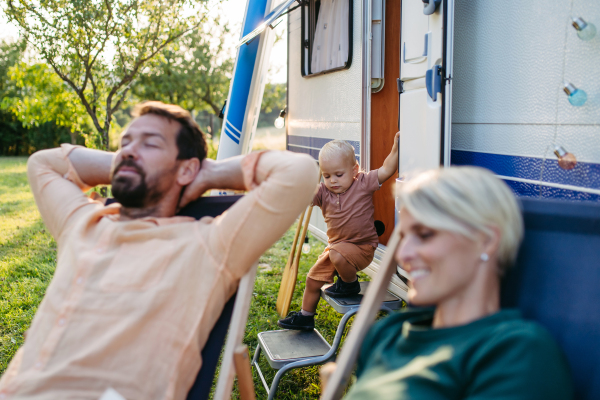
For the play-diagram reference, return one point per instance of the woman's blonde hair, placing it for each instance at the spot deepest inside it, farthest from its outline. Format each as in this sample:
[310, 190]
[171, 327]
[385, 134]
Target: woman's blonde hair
[338, 148]
[466, 200]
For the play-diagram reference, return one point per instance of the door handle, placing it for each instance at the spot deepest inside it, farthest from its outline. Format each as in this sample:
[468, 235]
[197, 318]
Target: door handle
[415, 60]
[433, 81]
[429, 6]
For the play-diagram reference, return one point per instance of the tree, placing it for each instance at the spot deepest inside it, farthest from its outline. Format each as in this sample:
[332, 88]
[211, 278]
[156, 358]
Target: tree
[274, 97]
[193, 72]
[10, 54]
[99, 47]
[13, 135]
[43, 97]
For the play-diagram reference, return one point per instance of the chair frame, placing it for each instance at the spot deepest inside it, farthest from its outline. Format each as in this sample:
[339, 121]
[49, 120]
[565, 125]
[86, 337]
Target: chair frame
[235, 335]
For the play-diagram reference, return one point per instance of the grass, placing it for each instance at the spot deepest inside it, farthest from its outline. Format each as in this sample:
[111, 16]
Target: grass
[27, 256]
[28, 260]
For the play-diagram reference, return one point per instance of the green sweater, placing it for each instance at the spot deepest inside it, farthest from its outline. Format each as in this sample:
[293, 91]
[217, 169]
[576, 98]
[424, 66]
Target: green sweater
[501, 356]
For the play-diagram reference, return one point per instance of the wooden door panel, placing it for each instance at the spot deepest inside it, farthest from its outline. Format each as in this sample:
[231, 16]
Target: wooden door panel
[384, 117]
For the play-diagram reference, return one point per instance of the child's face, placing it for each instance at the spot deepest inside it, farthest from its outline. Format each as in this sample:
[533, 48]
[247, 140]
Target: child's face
[338, 174]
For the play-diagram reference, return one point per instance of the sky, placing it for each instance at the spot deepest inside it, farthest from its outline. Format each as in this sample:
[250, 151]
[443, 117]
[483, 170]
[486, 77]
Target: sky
[233, 11]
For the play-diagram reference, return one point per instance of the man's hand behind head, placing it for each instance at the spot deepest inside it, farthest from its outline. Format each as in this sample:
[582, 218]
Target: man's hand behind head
[199, 185]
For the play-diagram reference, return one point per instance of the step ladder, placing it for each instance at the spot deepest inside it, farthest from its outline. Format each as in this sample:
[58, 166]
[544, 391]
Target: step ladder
[287, 349]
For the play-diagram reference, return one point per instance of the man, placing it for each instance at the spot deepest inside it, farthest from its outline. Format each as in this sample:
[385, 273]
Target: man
[137, 289]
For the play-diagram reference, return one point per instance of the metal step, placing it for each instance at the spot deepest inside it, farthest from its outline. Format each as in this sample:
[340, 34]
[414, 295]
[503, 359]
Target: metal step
[286, 346]
[345, 304]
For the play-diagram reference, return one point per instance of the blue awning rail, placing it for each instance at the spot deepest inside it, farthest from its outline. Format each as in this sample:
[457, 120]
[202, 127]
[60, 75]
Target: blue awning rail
[268, 21]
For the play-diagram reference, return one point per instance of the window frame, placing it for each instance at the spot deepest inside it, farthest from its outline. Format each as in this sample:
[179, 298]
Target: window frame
[307, 38]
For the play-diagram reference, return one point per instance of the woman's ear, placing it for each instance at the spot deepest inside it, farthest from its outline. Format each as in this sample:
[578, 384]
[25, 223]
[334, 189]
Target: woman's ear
[492, 242]
[187, 171]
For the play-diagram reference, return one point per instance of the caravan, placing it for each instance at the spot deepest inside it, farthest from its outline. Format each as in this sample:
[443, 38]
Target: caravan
[482, 83]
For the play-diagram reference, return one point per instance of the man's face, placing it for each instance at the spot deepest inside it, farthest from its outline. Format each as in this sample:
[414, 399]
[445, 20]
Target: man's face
[146, 163]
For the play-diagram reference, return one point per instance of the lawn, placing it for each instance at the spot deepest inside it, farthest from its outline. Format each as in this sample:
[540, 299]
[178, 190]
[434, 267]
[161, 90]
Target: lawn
[28, 259]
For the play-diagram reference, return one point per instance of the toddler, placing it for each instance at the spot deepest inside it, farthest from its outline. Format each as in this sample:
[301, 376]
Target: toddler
[346, 200]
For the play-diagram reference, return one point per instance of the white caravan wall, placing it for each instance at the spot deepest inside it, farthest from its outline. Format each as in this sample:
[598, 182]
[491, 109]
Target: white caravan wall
[323, 107]
[509, 110]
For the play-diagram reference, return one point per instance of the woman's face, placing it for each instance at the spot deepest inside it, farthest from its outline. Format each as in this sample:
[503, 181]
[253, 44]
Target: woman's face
[442, 265]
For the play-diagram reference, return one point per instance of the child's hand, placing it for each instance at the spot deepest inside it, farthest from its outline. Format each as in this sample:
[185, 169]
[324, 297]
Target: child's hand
[390, 165]
[396, 139]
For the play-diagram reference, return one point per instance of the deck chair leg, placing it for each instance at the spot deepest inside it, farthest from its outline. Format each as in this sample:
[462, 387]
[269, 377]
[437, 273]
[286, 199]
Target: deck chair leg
[235, 334]
[244, 373]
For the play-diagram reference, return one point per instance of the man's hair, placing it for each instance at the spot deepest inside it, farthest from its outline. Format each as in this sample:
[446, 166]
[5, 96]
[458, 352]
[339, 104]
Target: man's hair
[338, 148]
[466, 200]
[190, 138]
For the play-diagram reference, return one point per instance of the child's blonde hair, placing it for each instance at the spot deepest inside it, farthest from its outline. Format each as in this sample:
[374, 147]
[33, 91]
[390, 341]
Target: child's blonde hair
[466, 200]
[338, 148]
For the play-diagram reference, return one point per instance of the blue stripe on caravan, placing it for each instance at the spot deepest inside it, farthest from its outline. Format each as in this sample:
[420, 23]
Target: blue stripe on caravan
[235, 139]
[585, 175]
[318, 142]
[526, 189]
[233, 129]
[311, 152]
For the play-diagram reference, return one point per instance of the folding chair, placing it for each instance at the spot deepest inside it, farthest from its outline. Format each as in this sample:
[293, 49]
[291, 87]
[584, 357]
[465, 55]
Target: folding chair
[233, 319]
[555, 282]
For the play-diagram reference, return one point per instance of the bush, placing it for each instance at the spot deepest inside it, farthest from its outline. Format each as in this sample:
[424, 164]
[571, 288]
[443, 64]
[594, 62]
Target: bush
[17, 140]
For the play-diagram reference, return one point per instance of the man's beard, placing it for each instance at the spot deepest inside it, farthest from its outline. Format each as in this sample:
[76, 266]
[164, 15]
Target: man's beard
[130, 195]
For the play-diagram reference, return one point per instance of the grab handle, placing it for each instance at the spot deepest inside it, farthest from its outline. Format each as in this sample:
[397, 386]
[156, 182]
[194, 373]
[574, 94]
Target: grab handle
[429, 6]
[433, 81]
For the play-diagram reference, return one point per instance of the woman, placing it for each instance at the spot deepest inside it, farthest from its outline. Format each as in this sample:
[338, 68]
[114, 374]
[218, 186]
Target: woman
[460, 230]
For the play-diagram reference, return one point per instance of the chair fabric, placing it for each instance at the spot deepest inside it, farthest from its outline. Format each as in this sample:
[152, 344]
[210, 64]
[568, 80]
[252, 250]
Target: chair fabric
[211, 353]
[210, 206]
[556, 282]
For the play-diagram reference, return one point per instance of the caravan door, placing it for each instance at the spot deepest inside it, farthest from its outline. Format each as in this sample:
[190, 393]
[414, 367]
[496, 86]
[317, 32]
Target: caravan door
[426, 79]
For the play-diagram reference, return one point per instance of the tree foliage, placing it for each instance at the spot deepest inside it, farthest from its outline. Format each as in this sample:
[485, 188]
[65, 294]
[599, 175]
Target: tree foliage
[193, 72]
[99, 47]
[15, 137]
[41, 97]
[10, 54]
[274, 97]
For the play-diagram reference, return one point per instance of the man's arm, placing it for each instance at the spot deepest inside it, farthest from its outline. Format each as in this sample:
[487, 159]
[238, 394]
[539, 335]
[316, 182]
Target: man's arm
[224, 174]
[92, 166]
[58, 178]
[390, 165]
[281, 184]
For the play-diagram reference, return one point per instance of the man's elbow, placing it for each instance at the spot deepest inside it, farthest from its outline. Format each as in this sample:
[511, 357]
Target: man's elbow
[36, 160]
[304, 172]
[46, 159]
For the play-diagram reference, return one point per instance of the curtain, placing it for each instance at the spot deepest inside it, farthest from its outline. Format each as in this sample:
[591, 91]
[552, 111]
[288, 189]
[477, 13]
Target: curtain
[330, 48]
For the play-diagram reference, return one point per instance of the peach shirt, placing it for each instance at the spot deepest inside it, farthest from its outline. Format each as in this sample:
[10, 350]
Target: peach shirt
[132, 303]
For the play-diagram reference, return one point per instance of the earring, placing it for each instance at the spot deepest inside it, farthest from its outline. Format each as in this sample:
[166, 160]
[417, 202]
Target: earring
[484, 257]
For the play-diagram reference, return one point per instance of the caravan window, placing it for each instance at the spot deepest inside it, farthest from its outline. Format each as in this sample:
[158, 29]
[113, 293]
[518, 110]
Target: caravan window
[327, 36]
